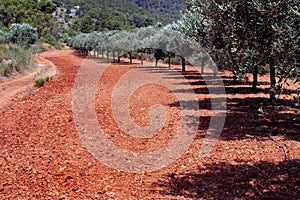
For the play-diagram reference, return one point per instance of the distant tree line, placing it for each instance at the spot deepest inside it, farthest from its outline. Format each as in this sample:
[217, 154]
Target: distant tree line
[162, 42]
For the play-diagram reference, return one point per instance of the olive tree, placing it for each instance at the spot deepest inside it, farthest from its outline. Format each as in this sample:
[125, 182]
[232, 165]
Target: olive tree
[23, 35]
[248, 36]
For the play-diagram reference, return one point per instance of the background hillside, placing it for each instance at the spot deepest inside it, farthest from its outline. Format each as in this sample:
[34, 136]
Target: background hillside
[168, 10]
[110, 14]
[57, 19]
[123, 14]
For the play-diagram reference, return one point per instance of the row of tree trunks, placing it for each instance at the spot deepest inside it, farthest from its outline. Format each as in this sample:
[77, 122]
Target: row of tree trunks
[272, 80]
[157, 57]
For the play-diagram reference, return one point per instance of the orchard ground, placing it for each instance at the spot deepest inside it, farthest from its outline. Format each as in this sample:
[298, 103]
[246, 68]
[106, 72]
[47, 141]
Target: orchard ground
[42, 155]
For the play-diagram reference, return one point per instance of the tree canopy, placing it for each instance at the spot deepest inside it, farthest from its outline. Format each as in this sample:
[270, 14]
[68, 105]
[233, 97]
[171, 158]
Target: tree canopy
[248, 36]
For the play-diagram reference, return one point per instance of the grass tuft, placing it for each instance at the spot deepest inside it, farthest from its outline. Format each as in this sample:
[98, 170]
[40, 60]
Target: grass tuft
[40, 82]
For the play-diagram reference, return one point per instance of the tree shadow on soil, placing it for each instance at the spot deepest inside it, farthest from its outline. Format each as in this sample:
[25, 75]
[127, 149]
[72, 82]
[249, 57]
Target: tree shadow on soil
[262, 180]
[242, 117]
[243, 120]
[242, 180]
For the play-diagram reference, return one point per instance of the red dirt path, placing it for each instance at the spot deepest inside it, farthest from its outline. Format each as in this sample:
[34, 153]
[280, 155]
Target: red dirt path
[42, 156]
[23, 85]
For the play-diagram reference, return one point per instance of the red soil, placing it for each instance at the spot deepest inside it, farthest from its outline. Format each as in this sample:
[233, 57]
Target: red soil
[42, 156]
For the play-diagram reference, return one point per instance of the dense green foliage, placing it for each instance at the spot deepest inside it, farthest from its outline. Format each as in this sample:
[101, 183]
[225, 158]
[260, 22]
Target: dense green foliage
[37, 14]
[168, 10]
[111, 15]
[91, 15]
[23, 35]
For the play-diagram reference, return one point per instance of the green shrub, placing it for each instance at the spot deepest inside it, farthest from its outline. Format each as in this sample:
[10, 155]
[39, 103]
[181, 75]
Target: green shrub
[40, 82]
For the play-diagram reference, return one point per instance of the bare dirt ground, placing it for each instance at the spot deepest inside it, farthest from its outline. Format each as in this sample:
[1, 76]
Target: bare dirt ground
[23, 85]
[42, 156]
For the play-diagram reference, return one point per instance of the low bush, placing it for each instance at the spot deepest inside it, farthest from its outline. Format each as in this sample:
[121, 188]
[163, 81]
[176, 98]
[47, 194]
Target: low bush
[40, 82]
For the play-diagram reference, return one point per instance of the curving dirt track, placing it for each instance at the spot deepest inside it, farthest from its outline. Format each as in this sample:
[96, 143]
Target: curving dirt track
[42, 156]
[24, 84]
